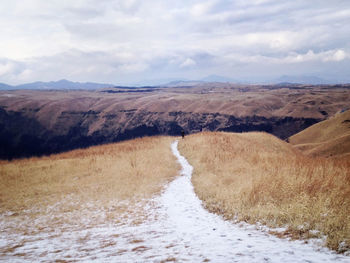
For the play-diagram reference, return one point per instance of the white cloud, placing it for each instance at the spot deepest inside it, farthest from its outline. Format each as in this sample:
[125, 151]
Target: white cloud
[202, 8]
[188, 63]
[120, 40]
[326, 56]
[10, 69]
[337, 55]
[134, 67]
[6, 68]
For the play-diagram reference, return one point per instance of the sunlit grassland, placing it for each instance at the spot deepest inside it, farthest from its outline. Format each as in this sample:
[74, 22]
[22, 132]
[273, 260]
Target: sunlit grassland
[106, 177]
[256, 177]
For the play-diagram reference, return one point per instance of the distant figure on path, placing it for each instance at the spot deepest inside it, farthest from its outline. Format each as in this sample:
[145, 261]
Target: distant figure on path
[183, 134]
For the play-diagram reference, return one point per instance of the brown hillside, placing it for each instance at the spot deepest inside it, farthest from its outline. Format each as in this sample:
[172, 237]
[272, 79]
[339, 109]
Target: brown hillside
[327, 138]
[34, 122]
[102, 174]
[45, 198]
[256, 177]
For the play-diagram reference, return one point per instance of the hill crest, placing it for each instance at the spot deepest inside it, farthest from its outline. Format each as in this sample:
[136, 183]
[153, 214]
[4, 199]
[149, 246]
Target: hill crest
[327, 138]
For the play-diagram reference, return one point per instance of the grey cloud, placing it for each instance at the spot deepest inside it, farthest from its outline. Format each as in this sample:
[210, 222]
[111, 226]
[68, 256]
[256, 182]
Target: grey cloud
[85, 13]
[11, 69]
[92, 30]
[114, 41]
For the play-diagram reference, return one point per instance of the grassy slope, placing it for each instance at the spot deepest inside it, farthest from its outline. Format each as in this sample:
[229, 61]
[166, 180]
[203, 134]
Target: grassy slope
[101, 176]
[253, 176]
[327, 138]
[256, 177]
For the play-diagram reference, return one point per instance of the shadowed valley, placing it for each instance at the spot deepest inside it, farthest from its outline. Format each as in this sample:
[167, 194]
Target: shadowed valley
[37, 122]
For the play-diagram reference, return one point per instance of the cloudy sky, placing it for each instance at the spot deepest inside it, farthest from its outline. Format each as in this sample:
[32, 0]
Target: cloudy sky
[134, 41]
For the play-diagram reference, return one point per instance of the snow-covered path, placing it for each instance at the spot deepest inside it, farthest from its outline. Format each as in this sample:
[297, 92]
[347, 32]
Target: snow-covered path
[177, 228]
[218, 240]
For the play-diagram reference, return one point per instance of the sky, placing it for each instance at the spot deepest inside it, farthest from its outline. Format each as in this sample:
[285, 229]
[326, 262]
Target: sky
[139, 42]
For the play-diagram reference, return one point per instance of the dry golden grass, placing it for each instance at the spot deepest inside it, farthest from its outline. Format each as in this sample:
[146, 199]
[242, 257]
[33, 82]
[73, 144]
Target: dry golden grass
[80, 194]
[129, 170]
[327, 138]
[256, 177]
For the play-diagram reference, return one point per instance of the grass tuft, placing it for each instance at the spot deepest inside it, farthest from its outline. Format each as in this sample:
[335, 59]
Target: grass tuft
[256, 177]
[128, 170]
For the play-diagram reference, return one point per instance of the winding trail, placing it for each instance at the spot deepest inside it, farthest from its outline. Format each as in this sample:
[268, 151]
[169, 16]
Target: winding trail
[218, 240]
[177, 228]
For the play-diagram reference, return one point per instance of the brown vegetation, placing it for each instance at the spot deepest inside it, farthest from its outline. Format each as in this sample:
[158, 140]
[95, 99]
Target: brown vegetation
[73, 197]
[329, 138]
[97, 176]
[43, 122]
[256, 177]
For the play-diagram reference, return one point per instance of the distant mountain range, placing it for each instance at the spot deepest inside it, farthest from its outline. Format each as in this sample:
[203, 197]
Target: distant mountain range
[66, 84]
[61, 84]
[302, 80]
[217, 78]
[285, 79]
[5, 86]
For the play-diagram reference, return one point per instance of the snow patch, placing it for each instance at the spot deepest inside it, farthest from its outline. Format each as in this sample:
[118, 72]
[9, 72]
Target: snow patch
[173, 226]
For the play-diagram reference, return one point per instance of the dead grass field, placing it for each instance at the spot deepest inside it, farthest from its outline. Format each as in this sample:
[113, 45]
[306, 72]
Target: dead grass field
[108, 177]
[82, 205]
[224, 98]
[329, 138]
[256, 177]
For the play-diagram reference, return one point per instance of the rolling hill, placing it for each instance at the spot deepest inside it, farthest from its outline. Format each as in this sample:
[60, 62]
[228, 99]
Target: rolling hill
[253, 177]
[327, 138]
[36, 122]
[57, 208]
[257, 178]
